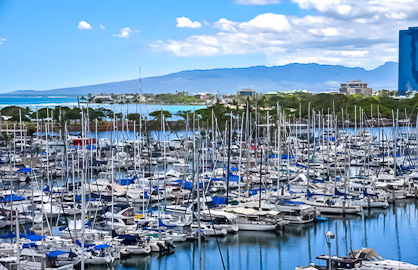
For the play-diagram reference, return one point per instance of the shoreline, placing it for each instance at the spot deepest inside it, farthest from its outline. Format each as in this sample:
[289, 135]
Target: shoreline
[175, 125]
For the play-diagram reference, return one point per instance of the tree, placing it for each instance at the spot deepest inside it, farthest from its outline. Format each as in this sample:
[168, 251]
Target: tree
[134, 116]
[158, 114]
[184, 114]
[15, 112]
[7, 138]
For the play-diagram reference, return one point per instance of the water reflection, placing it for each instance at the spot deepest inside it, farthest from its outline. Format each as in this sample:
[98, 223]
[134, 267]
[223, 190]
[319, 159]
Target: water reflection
[392, 232]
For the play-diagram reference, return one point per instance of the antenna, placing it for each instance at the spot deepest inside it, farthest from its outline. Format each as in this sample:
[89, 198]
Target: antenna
[140, 81]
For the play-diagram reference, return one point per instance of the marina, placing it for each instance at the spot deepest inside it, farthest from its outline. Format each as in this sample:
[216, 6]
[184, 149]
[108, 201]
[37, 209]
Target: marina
[206, 135]
[208, 197]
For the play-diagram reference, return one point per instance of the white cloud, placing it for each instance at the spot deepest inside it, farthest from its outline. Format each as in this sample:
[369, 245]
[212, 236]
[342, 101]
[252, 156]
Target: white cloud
[125, 32]
[84, 25]
[343, 32]
[349, 9]
[268, 22]
[102, 27]
[186, 22]
[2, 40]
[257, 2]
[226, 25]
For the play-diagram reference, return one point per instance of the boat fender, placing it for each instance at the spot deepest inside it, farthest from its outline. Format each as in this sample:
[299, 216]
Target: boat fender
[322, 219]
[160, 246]
[169, 245]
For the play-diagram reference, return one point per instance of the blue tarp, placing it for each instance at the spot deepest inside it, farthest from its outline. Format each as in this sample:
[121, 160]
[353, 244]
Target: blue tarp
[24, 170]
[188, 185]
[218, 200]
[56, 253]
[29, 245]
[89, 147]
[78, 199]
[9, 198]
[35, 237]
[233, 177]
[125, 182]
[101, 246]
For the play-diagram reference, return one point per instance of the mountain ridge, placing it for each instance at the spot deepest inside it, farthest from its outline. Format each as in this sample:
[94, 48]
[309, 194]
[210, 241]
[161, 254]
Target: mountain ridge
[312, 77]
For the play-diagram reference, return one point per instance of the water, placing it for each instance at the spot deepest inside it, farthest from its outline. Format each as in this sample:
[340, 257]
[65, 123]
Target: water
[37, 102]
[34, 102]
[392, 232]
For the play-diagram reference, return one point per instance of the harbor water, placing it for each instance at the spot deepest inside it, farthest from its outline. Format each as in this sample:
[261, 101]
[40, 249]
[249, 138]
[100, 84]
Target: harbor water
[392, 232]
[38, 102]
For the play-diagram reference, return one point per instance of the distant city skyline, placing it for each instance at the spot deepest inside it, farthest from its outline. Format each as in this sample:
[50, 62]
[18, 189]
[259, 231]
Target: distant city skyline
[53, 44]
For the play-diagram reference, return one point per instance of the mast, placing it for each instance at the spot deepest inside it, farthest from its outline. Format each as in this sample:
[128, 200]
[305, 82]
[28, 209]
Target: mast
[309, 140]
[261, 183]
[229, 158]
[83, 205]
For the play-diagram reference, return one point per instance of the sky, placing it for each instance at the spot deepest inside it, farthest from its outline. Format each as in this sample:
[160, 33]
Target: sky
[48, 44]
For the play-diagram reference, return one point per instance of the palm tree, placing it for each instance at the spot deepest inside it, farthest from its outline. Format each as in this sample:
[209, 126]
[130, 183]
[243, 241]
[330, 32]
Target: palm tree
[7, 138]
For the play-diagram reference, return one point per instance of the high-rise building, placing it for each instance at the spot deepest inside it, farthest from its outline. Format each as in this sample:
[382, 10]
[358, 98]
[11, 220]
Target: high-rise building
[355, 87]
[408, 61]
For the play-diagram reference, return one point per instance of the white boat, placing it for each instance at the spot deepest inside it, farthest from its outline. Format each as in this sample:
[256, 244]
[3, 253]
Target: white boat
[329, 206]
[121, 219]
[208, 229]
[221, 220]
[32, 260]
[252, 220]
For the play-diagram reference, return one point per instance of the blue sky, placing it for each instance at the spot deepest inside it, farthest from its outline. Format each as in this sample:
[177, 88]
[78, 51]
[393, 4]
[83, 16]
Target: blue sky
[49, 44]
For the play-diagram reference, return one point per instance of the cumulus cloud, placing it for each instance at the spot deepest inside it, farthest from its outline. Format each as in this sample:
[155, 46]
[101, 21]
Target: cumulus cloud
[84, 25]
[343, 32]
[184, 22]
[372, 9]
[257, 2]
[268, 23]
[125, 32]
[2, 40]
[102, 27]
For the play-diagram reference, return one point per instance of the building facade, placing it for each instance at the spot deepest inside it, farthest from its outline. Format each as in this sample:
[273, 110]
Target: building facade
[355, 87]
[247, 93]
[408, 69]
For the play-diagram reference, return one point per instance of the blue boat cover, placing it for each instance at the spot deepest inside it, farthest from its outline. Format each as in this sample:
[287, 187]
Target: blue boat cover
[28, 245]
[78, 199]
[126, 182]
[218, 200]
[89, 147]
[9, 198]
[35, 237]
[56, 253]
[24, 170]
[101, 246]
